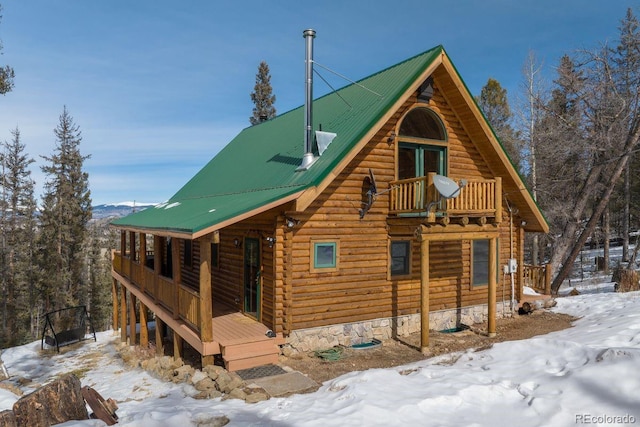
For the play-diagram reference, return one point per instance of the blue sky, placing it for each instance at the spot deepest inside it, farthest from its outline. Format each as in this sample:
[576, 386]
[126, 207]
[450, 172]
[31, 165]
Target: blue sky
[158, 87]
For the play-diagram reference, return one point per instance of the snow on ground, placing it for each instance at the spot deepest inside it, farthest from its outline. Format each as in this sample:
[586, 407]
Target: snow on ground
[585, 375]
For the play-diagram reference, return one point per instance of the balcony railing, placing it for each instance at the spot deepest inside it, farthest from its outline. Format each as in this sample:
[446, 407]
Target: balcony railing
[538, 277]
[177, 299]
[477, 198]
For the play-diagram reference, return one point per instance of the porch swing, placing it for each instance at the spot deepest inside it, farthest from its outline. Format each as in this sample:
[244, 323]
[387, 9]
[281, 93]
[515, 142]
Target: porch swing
[66, 326]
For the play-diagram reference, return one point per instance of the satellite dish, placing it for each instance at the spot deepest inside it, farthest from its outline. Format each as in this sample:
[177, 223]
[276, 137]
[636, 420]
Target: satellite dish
[447, 187]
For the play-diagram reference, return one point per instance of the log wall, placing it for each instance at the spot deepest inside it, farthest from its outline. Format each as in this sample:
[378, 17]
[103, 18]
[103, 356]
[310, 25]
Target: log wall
[361, 288]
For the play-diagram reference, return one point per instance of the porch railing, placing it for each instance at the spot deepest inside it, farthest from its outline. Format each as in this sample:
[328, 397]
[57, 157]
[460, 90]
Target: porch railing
[538, 277]
[478, 198]
[162, 289]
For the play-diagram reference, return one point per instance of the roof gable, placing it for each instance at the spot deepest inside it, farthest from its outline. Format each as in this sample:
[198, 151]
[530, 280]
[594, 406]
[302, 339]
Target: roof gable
[257, 170]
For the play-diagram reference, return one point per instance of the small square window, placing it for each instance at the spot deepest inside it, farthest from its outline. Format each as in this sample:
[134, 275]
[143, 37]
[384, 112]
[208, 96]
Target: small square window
[400, 257]
[324, 256]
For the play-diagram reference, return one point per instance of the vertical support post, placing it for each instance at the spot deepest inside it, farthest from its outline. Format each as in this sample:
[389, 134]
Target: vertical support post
[143, 261]
[547, 279]
[132, 319]
[430, 195]
[114, 299]
[492, 287]
[144, 330]
[123, 313]
[177, 277]
[157, 265]
[520, 275]
[159, 337]
[132, 246]
[498, 200]
[424, 293]
[178, 351]
[206, 305]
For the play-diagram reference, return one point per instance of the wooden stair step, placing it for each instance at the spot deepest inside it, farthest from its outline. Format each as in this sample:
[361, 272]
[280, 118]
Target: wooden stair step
[251, 362]
[265, 346]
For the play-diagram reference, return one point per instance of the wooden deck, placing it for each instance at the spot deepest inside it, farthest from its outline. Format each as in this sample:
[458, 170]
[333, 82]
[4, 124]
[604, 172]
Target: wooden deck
[241, 340]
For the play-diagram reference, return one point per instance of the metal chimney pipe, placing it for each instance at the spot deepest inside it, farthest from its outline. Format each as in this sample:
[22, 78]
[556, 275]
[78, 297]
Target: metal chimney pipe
[308, 157]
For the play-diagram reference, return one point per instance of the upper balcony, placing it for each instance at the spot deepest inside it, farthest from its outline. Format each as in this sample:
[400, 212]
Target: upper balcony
[479, 200]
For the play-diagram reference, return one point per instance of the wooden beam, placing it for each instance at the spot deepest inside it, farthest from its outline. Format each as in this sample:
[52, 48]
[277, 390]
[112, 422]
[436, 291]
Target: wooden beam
[144, 329]
[114, 298]
[157, 267]
[498, 200]
[492, 287]
[424, 295]
[206, 300]
[123, 313]
[177, 277]
[159, 337]
[178, 349]
[132, 319]
[143, 256]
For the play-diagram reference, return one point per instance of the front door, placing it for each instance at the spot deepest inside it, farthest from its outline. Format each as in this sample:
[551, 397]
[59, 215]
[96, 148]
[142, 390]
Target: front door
[252, 277]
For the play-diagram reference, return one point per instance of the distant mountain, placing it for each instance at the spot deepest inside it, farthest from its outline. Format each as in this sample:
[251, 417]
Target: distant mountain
[118, 210]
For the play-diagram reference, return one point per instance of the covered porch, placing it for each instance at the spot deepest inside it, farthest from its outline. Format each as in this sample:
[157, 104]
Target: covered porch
[141, 287]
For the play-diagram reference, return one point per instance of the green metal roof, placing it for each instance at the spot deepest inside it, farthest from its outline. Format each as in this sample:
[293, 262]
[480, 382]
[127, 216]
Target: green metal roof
[258, 167]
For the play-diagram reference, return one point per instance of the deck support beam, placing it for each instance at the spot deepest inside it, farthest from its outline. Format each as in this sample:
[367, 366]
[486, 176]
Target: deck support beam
[144, 327]
[424, 293]
[491, 303]
[114, 303]
[159, 337]
[206, 300]
[123, 313]
[178, 348]
[132, 319]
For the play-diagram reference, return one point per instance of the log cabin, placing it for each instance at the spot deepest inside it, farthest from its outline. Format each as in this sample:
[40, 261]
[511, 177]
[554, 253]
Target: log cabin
[327, 226]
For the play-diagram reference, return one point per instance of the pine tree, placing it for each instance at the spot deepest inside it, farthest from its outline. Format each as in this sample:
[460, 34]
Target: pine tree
[99, 266]
[494, 104]
[66, 210]
[6, 73]
[18, 236]
[262, 96]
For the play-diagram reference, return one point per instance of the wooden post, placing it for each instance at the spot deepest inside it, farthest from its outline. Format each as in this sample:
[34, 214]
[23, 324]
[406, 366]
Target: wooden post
[424, 293]
[498, 200]
[144, 330]
[114, 298]
[177, 277]
[177, 346]
[143, 260]
[492, 287]
[431, 195]
[157, 264]
[132, 319]
[123, 313]
[520, 275]
[159, 337]
[206, 303]
[547, 279]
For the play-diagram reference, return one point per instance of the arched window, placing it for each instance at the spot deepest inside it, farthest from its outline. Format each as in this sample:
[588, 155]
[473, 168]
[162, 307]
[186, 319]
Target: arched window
[422, 144]
[423, 123]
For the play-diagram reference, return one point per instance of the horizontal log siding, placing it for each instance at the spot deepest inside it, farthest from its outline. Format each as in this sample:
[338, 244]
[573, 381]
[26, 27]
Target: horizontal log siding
[360, 289]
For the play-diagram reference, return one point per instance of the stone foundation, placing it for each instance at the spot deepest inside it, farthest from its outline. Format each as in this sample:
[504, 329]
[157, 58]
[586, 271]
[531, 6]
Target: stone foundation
[347, 334]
